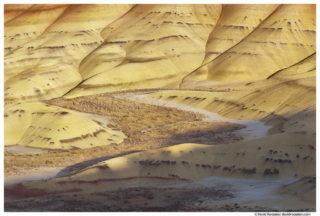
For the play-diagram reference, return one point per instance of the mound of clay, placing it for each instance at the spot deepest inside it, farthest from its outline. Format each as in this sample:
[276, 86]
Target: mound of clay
[272, 157]
[47, 66]
[284, 38]
[305, 68]
[53, 50]
[150, 46]
[30, 24]
[43, 126]
[235, 23]
[13, 10]
[292, 110]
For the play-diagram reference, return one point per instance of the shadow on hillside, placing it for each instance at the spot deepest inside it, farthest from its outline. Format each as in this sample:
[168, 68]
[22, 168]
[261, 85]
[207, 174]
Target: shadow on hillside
[91, 162]
[192, 136]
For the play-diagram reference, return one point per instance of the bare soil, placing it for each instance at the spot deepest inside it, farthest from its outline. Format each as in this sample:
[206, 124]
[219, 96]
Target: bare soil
[141, 199]
[144, 199]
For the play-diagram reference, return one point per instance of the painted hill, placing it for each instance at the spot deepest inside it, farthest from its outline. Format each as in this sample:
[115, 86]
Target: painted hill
[88, 49]
[266, 158]
[292, 110]
[39, 125]
[47, 66]
[150, 46]
[304, 68]
[284, 38]
[248, 62]
[29, 24]
[13, 10]
[235, 23]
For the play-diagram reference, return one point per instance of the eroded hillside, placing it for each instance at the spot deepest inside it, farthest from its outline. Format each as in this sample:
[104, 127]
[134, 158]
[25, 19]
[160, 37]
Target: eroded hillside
[128, 96]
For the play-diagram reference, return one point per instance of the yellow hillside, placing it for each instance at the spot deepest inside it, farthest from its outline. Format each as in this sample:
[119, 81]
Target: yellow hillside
[38, 125]
[29, 25]
[235, 23]
[150, 46]
[115, 98]
[296, 101]
[107, 48]
[13, 10]
[47, 67]
[305, 68]
[283, 39]
[273, 157]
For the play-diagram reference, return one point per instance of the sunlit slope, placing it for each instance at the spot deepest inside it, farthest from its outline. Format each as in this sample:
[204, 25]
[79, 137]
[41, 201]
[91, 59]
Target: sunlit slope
[38, 125]
[13, 10]
[235, 23]
[280, 103]
[29, 25]
[284, 38]
[48, 66]
[150, 46]
[305, 68]
[273, 157]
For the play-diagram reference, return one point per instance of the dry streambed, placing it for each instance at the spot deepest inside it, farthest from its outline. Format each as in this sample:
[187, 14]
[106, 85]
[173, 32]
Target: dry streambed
[253, 130]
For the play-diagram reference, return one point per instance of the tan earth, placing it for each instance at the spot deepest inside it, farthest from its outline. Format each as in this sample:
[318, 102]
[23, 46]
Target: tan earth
[160, 107]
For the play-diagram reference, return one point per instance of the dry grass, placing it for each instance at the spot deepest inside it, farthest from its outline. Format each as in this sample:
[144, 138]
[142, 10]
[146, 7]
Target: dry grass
[188, 132]
[204, 133]
[131, 117]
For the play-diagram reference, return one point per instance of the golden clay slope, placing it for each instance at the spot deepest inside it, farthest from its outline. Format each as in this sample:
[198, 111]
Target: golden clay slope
[13, 10]
[38, 125]
[291, 110]
[275, 157]
[235, 23]
[150, 46]
[284, 38]
[29, 25]
[305, 68]
[47, 66]
[89, 49]
[154, 45]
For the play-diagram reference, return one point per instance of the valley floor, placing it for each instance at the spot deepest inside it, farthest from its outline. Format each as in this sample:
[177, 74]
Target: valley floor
[209, 194]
